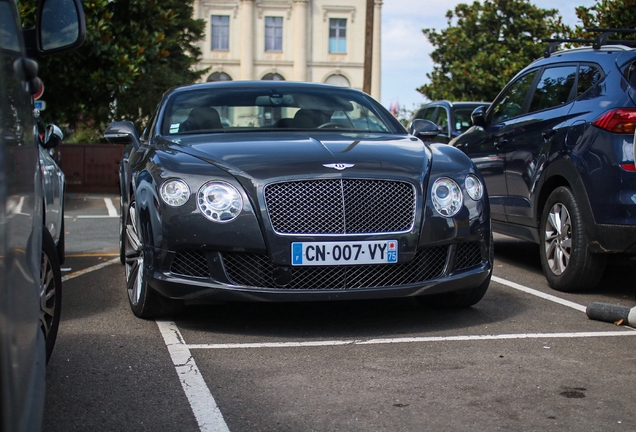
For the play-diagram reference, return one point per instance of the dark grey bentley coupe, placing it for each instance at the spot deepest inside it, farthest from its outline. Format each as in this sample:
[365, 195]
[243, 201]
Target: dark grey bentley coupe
[282, 191]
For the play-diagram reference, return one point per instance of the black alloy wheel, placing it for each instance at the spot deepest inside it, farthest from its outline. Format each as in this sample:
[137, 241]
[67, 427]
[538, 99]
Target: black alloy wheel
[144, 301]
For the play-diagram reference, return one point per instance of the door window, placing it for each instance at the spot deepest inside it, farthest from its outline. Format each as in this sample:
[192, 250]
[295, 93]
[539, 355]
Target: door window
[510, 103]
[554, 88]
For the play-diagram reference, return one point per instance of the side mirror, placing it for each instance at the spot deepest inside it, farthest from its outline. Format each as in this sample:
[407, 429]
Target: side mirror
[478, 116]
[425, 130]
[122, 132]
[53, 137]
[60, 26]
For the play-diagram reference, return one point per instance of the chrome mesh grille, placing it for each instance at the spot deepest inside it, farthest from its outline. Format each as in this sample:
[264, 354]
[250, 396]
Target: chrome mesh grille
[258, 271]
[341, 206]
[190, 263]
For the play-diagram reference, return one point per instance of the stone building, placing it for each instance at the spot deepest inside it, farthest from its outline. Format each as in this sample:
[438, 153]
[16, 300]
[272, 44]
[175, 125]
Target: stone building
[294, 40]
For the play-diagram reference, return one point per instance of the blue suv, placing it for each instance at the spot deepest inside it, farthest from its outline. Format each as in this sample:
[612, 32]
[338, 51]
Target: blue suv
[556, 150]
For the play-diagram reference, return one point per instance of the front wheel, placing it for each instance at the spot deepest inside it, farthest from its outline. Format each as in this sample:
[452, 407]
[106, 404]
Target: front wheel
[144, 302]
[50, 292]
[567, 263]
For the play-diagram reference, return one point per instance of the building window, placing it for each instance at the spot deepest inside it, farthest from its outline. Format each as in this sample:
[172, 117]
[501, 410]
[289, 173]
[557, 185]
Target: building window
[273, 77]
[219, 76]
[273, 34]
[338, 80]
[220, 32]
[337, 36]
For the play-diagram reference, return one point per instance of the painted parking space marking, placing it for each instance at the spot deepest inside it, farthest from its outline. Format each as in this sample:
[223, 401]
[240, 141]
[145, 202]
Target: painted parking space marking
[540, 294]
[201, 401]
[628, 332]
[89, 269]
[112, 211]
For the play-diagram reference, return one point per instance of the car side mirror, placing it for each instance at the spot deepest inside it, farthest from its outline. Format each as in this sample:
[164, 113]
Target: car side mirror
[478, 116]
[425, 130]
[53, 137]
[60, 26]
[122, 132]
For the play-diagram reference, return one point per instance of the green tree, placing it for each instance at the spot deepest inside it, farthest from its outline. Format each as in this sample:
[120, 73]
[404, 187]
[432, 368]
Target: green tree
[134, 51]
[484, 45]
[607, 14]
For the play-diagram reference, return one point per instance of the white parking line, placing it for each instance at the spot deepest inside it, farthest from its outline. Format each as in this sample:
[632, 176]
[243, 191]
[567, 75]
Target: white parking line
[540, 294]
[112, 211]
[201, 401]
[628, 332]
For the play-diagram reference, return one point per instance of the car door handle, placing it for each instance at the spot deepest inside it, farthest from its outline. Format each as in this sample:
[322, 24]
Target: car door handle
[501, 141]
[547, 134]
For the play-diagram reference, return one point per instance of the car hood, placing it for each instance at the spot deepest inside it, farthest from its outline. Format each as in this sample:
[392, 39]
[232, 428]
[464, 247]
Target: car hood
[269, 155]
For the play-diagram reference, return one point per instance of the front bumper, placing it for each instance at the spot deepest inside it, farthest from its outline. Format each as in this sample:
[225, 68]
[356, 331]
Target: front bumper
[207, 276]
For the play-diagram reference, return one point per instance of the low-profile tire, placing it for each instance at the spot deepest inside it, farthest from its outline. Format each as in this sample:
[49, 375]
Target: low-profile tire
[50, 292]
[567, 263]
[144, 301]
[457, 299]
[122, 230]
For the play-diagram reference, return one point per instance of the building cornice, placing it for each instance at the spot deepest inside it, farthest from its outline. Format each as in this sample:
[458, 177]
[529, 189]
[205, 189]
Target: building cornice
[284, 7]
[326, 10]
[208, 5]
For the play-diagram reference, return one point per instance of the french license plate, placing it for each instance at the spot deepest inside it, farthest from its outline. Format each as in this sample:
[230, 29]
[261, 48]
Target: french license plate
[344, 253]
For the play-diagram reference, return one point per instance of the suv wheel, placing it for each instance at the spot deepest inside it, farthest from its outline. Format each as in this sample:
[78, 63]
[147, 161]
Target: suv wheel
[567, 264]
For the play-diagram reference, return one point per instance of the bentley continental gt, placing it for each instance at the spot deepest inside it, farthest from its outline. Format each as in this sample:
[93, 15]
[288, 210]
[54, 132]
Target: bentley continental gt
[304, 192]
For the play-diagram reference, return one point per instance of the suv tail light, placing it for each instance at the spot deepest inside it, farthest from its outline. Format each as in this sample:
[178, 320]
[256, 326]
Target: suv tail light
[618, 120]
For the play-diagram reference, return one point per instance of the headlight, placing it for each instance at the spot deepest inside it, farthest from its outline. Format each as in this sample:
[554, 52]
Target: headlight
[474, 188]
[175, 192]
[219, 201]
[446, 196]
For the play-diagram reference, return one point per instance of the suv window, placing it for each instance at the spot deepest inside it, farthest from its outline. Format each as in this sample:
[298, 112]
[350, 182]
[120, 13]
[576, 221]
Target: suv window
[426, 113]
[588, 76]
[442, 120]
[511, 102]
[554, 87]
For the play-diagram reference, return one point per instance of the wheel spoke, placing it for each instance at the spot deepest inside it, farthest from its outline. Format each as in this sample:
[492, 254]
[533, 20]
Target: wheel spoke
[134, 257]
[558, 240]
[47, 294]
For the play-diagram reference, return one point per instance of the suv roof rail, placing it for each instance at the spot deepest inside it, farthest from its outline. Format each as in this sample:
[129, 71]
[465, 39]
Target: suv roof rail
[601, 40]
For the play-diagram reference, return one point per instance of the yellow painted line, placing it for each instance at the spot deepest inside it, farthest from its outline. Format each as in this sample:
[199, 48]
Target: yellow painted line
[89, 269]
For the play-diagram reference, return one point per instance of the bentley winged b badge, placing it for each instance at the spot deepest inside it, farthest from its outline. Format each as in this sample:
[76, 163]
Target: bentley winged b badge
[338, 166]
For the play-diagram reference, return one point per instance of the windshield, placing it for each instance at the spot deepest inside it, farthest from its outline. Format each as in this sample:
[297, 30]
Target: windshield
[213, 110]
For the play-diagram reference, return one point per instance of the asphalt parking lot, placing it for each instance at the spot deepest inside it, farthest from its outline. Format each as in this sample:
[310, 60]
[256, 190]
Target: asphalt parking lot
[524, 358]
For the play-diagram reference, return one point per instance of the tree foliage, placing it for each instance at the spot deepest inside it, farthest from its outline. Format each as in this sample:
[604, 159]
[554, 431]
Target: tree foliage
[484, 45]
[134, 51]
[607, 14]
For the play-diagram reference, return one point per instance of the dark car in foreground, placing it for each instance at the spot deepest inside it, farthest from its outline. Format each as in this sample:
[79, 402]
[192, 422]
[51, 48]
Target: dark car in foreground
[313, 193]
[452, 118]
[30, 282]
[556, 149]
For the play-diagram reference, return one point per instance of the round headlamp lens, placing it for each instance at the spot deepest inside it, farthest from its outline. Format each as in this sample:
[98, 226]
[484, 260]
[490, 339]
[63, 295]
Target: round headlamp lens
[446, 196]
[175, 192]
[474, 188]
[219, 201]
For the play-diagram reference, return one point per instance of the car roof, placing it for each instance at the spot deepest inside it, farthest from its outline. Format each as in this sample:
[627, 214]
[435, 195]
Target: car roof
[455, 104]
[262, 84]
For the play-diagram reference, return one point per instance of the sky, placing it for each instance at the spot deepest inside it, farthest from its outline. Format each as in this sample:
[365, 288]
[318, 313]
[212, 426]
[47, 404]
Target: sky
[406, 52]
